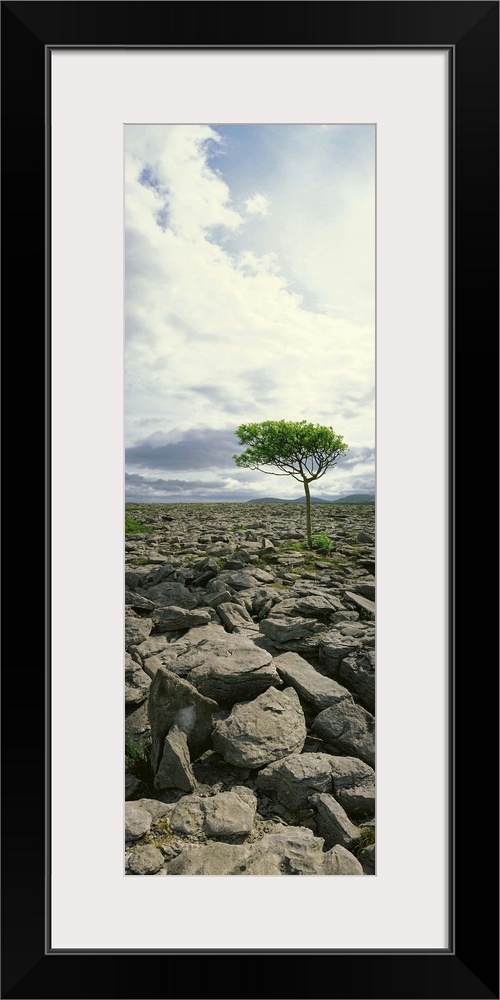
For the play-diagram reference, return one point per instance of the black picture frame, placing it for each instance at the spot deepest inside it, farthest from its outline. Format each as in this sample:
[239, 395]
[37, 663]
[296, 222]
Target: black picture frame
[469, 969]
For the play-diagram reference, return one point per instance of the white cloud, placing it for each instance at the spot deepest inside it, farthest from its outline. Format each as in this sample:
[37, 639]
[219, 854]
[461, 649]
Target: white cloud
[257, 205]
[227, 323]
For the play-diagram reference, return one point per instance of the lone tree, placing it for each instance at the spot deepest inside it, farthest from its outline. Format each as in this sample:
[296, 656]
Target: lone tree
[297, 448]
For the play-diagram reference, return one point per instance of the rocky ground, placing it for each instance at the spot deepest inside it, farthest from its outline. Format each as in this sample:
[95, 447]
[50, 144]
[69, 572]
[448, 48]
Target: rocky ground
[249, 690]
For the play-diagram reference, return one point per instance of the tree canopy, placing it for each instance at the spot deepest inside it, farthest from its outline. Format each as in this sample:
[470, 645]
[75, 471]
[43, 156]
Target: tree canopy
[299, 449]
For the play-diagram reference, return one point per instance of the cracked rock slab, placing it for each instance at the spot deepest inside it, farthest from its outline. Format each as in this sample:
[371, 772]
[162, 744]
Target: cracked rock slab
[264, 730]
[136, 630]
[169, 593]
[294, 779]
[227, 814]
[172, 619]
[333, 822]
[139, 816]
[320, 691]
[234, 617]
[291, 852]
[367, 859]
[358, 671]
[175, 770]
[227, 668]
[334, 647]
[319, 606]
[354, 785]
[283, 631]
[349, 728]
[174, 700]
[144, 860]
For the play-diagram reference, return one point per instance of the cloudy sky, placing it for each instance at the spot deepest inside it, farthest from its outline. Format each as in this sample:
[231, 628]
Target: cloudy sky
[250, 295]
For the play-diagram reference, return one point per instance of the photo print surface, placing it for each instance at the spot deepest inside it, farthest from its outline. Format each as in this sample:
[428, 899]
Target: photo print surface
[250, 499]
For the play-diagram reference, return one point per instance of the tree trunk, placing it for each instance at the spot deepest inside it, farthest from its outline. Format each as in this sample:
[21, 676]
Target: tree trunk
[308, 514]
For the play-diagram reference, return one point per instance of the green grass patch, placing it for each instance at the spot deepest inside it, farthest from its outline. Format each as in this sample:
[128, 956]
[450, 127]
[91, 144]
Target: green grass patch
[135, 527]
[367, 838]
[364, 615]
[322, 542]
[138, 763]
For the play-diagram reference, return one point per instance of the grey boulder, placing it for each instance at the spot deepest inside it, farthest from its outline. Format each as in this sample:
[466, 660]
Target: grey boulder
[315, 688]
[235, 617]
[174, 618]
[228, 668]
[333, 822]
[319, 606]
[367, 859]
[358, 671]
[354, 785]
[289, 852]
[175, 770]
[227, 814]
[137, 682]
[349, 728]
[136, 630]
[340, 861]
[294, 779]
[264, 730]
[334, 647]
[144, 859]
[295, 634]
[167, 593]
[173, 700]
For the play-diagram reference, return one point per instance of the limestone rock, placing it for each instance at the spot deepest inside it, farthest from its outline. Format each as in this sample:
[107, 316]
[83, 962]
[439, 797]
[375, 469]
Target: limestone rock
[227, 814]
[174, 700]
[318, 690]
[290, 852]
[218, 597]
[228, 668]
[132, 785]
[169, 592]
[136, 630]
[358, 671]
[204, 570]
[297, 777]
[333, 822]
[172, 619]
[354, 785]
[367, 859]
[333, 647]
[264, 730]
[340, 861]
[284, 631]
[364, 586]
[175, 770]
[208, 859]
[151, 646]
[318, 606]
[144, 860]
[230, 814]
[235, 618]
[245, 581]
[348, 728]
[160, 574]
[137, 682]
[137, 821]
[138, 603]
[361, 602]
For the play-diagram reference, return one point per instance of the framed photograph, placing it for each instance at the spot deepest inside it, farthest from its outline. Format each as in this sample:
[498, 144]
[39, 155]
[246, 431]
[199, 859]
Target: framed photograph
[83, 85]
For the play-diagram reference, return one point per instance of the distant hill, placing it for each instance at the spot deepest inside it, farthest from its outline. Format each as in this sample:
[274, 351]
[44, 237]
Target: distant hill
[356, 498]
[350, 498]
